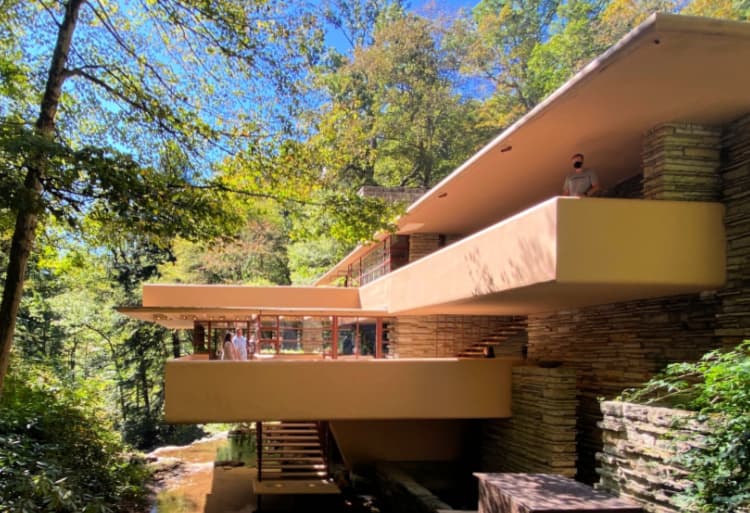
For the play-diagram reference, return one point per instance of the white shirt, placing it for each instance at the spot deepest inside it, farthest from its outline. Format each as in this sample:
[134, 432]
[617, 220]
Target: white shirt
[240, 344]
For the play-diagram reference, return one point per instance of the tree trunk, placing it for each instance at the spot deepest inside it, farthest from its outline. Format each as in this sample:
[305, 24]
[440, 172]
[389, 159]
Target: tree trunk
[145, 386]
[31, 205]
[175, 343]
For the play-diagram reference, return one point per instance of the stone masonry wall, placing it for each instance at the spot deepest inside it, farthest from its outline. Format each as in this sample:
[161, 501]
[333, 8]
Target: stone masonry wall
[734, 319]
[617, 346]
[447, 335]
[636, 458]
[681, 162]
[406, 195]
[540, 436]
[422, 244]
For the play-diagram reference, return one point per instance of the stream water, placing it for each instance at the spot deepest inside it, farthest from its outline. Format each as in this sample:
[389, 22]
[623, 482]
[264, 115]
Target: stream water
[212, 475]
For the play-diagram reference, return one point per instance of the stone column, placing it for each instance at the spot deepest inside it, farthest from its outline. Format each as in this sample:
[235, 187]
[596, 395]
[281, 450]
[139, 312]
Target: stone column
[681, 162]
[422, 244]
[541, 434]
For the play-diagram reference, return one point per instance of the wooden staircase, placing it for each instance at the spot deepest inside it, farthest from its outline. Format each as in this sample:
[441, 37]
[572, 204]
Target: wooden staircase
[290, 452]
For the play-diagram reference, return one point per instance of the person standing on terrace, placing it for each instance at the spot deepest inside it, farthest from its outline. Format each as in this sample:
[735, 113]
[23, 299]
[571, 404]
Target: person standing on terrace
[240, 345]
[228, 351]
[582, 182]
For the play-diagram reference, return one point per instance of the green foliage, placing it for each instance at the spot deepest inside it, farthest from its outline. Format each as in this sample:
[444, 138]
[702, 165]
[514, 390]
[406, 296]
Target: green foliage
[58, 453]
[718, 387]
[310, 259]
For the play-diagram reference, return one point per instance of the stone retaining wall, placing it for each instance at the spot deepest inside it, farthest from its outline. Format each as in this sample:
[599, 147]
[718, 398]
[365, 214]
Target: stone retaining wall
[617, 346]
[636, 458]
[541, 435]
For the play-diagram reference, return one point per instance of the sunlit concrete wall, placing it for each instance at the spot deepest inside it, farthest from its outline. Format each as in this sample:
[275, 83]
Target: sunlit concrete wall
[563, 253]
[231, 391]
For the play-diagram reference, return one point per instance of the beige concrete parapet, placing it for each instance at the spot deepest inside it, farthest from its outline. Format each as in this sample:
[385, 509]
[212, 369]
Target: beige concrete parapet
[564, 253]
[235, 391]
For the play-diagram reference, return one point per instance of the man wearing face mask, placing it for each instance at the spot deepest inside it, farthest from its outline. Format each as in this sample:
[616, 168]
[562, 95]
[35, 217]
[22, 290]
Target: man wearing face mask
[583, 182]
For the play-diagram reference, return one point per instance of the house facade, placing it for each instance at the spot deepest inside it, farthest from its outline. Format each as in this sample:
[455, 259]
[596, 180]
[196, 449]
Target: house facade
[579, 298]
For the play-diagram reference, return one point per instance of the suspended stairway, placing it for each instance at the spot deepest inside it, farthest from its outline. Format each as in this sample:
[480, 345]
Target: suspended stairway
[292, 459]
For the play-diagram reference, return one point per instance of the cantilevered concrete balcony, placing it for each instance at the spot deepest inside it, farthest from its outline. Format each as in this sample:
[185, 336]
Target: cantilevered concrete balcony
[233, 391]
[564, 253]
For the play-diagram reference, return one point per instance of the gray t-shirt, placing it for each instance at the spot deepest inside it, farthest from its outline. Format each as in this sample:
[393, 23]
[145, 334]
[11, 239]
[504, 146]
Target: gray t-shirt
[577, 184]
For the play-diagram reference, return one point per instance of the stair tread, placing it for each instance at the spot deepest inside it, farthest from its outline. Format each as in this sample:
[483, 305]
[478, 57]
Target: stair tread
[306, 452]
[299, 458]
[292, 424]
[287, 443]
[287, 475]
[285, 470]
[309, 432]
[284, 436]
[316, 466]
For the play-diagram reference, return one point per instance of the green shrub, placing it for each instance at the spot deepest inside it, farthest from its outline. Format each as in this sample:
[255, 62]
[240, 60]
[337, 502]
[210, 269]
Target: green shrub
[718, 387]
[58, 452]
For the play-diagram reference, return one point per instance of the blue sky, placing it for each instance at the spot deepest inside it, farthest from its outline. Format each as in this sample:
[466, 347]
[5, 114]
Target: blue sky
[447, 5]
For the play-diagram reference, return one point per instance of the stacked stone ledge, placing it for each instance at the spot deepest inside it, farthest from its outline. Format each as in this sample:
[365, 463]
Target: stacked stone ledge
[734, 319]
[639, 447]
[540, 437]
[681, 162]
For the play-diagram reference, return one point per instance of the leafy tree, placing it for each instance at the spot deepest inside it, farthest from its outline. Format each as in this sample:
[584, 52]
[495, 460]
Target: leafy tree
[424, 127]
[498, 39]
[309, 259]
[570, 46]
[621, 16]
[727, 9]
[58, 453]
[114, 77]
[255, 254]
[355, 20]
